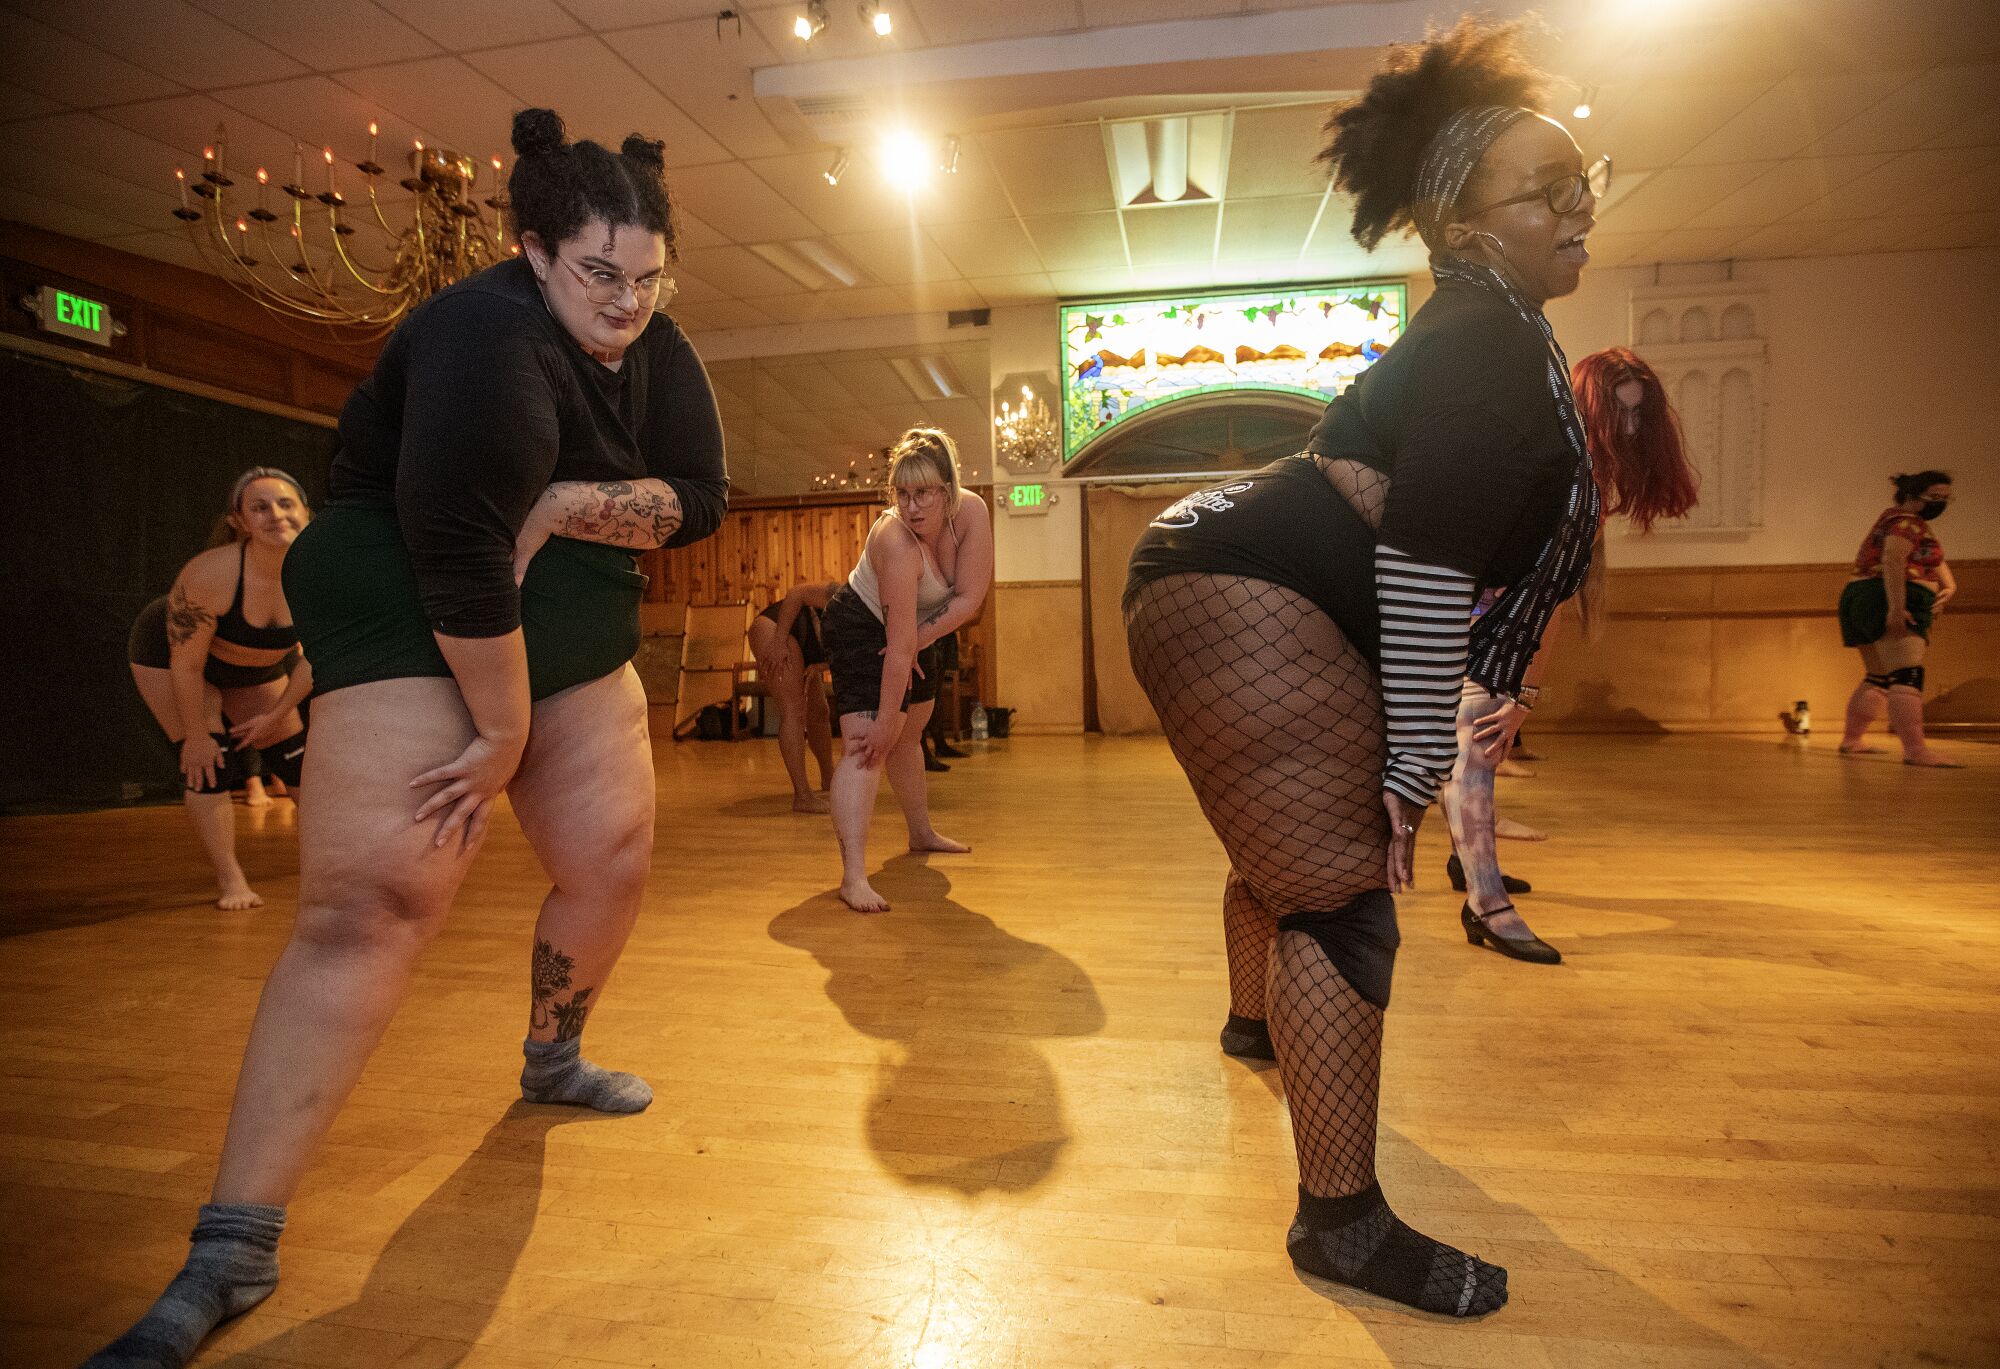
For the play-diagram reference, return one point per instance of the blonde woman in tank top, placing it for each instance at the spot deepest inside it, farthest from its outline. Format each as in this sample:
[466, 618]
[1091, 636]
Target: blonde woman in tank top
[923, 573]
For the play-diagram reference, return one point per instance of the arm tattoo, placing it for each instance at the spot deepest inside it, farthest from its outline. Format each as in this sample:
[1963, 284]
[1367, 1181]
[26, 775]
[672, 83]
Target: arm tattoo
[549, 977]
[617, 513]
[185, 617]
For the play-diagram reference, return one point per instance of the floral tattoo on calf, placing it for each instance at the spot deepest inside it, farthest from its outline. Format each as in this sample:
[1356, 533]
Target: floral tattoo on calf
[549, 977]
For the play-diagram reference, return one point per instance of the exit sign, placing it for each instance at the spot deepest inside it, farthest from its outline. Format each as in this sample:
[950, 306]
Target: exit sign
[76, 316]
[1027, 499]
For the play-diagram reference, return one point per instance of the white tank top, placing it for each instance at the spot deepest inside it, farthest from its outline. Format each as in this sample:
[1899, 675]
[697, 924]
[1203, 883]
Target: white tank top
[933, 590]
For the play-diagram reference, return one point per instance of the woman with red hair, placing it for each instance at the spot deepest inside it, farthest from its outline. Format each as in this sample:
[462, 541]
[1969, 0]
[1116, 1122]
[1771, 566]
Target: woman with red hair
[1642, 472]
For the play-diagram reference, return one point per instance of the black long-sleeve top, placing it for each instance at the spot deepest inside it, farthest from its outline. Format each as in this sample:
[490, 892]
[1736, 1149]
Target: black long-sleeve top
[480, 400]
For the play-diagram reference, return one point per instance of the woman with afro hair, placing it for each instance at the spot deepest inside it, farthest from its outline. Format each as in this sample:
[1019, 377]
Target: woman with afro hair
[470, 605]
[1303, 630]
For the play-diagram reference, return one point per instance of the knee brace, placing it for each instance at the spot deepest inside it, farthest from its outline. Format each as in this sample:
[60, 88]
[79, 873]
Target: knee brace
[1876, 681]
[1359, 937]
[286, 760]
[1910, 677]
[230, 772]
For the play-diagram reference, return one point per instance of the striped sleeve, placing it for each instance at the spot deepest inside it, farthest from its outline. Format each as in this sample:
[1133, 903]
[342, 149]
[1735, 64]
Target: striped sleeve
[1426, 619]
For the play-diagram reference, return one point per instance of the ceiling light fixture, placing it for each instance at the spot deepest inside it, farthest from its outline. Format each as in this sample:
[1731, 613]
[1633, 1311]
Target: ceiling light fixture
[809, 25]
[1584, 102]
[906, 161]
[949, 162]
[877, 18]
[839, 168]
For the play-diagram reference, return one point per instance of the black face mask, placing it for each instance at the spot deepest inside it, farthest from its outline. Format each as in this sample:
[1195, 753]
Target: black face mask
[1932, 508]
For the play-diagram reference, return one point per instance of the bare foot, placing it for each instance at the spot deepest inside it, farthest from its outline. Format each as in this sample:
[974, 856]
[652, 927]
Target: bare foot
[1932, 760]
[275, 787]
[1513, 769]
[1517, 831]
[811, 803]
[237, 896]
[860, 895]
[934, 842]
[1860, 749]
[254, 795]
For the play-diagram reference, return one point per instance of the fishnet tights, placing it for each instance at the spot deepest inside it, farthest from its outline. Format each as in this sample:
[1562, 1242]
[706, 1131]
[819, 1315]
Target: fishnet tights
[1277, 721]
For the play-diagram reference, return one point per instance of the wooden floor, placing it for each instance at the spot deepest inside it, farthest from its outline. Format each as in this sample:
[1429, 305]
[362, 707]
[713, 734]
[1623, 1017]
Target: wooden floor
[1753, 1120]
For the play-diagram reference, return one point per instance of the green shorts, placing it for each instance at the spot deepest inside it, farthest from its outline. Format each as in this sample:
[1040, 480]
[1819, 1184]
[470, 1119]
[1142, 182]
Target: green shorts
[1864, 610]
[353, 594]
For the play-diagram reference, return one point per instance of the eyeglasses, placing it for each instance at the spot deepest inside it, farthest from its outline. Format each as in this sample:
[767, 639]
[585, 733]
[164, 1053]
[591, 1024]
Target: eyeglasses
[919, 496]
[1563, 194]
[608, 287]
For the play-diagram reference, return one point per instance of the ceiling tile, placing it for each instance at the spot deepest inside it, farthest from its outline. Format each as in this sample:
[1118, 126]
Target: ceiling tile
[1617, 249]
[187, 123]
[459, 105]
[1981, 130]
[58, 67]
[996, 248]
[721, 313]
[1669, 198]
[955, 21]
[937, 296]
[320, 112]
[1970, 185]
[618, 14]
[858, 204]
[690, 231]
[1793, 113]
[1014, 289]
[1101, 14]
[1668, 117]
[139, 208]
[1917, 112]
[598, 95]
[57, 217]
[844, 36]
[709, 77]
[1695, 244]
[496, 22]
[898, 256]
[735, 201]
[1786, 238]
[1052, 170]
[1268, 229]
[1779, 189]
[1079, 242]
[739, 272]
[1271, 152]
[16, 103]
[1896, 186]
[1174, 235]
[326, 35]
[165, 36]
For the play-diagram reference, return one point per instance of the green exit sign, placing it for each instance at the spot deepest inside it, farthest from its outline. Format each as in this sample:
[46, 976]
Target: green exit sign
[89, 320]
[1027, 496]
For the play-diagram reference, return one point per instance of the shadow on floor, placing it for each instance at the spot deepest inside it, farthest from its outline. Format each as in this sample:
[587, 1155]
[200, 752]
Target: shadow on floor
[966, 1101]
[444, 1272]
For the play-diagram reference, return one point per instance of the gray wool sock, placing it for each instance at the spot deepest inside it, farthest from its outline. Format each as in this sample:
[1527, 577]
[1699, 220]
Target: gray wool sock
[556, 1072]
[232, 1265]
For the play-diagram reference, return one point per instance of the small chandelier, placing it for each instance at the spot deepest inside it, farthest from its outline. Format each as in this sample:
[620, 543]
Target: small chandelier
[270, 255]
[1025, 438]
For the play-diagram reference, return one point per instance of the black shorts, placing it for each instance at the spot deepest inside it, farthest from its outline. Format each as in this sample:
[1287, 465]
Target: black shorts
[855, 640]
[804, 631]
[147, 645]
[1864, 610]
[353, 593]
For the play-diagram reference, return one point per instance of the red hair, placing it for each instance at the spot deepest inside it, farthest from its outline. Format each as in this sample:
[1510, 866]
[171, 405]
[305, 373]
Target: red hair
[1645, 476]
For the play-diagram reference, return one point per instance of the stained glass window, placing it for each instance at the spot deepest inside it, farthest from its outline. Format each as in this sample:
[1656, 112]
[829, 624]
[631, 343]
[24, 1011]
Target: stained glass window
[1122, 358]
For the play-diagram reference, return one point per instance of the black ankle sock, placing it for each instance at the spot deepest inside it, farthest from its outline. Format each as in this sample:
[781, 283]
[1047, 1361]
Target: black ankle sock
[1358, 1241]
[1247, 1038]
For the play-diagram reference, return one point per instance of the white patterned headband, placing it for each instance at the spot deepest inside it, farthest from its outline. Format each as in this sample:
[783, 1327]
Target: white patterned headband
[1449, 160]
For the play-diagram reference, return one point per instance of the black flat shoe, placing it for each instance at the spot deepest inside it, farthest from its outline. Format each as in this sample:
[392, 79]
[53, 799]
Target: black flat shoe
[1456, 871]
[950, 752]
[934, 765]
[1247, 1038]
[1532, 949]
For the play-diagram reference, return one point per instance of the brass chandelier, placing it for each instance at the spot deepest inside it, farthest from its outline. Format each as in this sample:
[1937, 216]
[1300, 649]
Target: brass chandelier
[270, 255]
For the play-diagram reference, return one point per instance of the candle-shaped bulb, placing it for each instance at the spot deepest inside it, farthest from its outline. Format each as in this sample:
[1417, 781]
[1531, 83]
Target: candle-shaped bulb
[263, 176]
[373, 129]
[496, 163]
[328, 154]
[181, 184]
[208, 154]
[417, 143]
[243, 225]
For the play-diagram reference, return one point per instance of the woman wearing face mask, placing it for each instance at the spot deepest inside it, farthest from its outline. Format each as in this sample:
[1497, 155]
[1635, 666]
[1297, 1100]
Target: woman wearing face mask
[220, 646]
[923, 573]
[470, 605]
[1302, 631]
[1900, 581]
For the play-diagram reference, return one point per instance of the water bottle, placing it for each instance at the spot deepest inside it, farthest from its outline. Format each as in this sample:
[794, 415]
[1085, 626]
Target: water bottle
[979, 732]
[1801, 718]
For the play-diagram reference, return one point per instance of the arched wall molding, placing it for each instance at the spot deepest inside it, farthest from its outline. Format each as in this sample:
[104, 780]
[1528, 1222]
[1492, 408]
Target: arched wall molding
[1707, 344]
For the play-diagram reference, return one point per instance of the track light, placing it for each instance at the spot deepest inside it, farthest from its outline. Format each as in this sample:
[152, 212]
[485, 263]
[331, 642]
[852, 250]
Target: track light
[839, 168]
[809, 25]
[906, 161]
[1584, 102]
[949, 162]
[877, 18]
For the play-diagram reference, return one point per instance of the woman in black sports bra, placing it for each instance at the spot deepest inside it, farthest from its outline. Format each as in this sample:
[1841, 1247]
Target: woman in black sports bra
[225, 688]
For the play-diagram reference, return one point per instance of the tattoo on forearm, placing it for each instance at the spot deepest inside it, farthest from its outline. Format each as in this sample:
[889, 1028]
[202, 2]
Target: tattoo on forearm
[185, 617]
[618, 513]
[549, 977]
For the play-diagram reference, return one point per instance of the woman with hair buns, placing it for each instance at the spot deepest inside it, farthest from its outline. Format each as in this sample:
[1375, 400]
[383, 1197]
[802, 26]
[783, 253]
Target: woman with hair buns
[470, 605]
[923, 573]
[1900, 581]
[199, 661]
[1303, 630]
